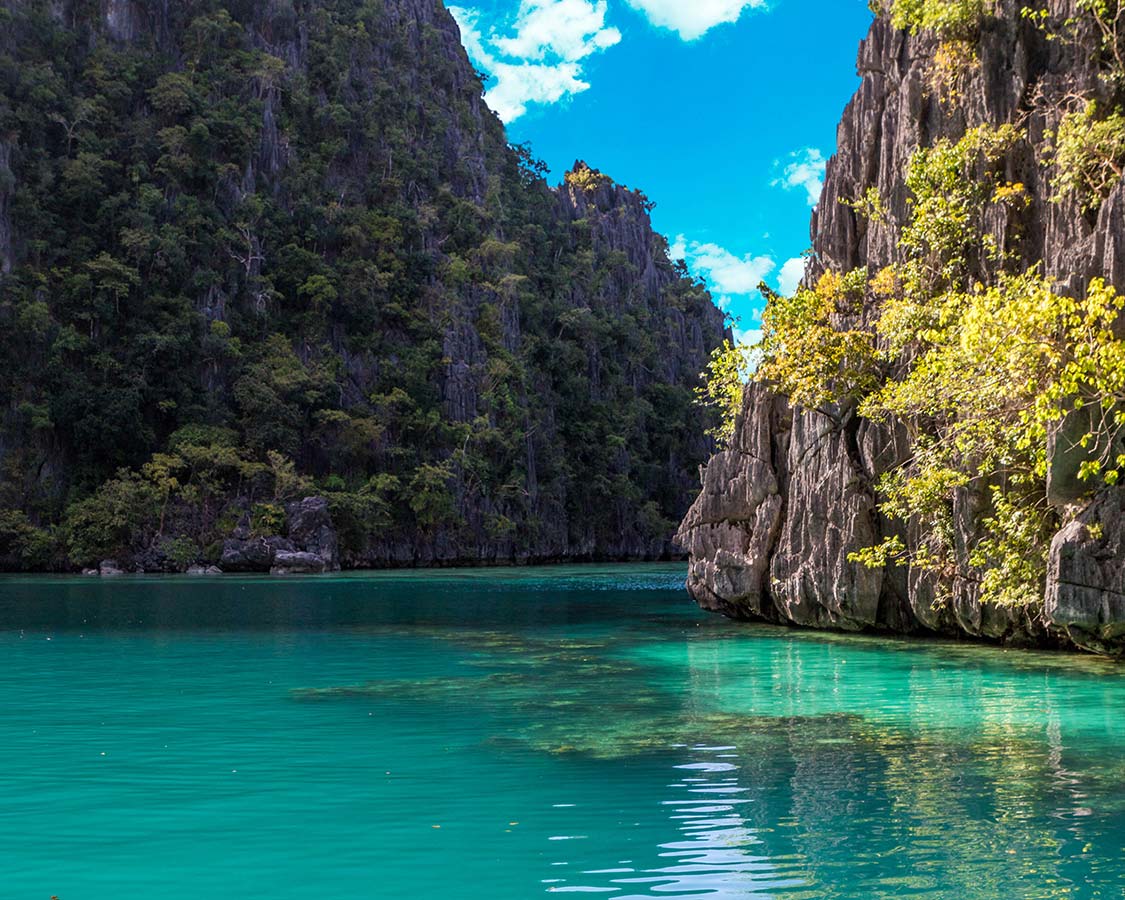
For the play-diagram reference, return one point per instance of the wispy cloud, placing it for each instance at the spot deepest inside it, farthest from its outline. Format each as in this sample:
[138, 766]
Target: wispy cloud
[540, 59]
[805, 169]
[734, 280]
[731, 276]
[789, 279]
[693, 18]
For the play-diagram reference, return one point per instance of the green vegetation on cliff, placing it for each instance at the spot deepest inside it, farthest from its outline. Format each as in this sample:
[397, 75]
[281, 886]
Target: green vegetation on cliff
[1000, 381]
[253, 250]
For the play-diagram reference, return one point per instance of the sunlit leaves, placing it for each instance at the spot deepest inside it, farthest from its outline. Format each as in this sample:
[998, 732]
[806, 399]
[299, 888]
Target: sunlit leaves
[980, 375]
[722, 386]
[1088, 152]
[807, 354]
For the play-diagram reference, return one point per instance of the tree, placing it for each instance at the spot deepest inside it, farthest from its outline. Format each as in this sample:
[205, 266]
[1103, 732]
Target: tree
[810, 355]
[723, 383]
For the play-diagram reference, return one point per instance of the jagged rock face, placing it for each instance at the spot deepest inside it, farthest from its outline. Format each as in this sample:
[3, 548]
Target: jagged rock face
[781, 510]
[253, 554]
[310, 547]
[311, 528]
[811, 579]
[7, 183]
[366, 159]
[1086, 581]
[734, 525]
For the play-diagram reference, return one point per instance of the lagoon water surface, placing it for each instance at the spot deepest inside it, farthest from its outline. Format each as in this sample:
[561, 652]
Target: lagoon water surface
[504, 735]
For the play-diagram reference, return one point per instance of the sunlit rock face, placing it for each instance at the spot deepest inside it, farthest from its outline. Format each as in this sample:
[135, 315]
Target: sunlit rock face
[1086, 584]
[794, 495]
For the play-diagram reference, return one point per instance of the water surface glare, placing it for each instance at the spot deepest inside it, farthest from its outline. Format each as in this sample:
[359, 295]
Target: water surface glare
[503, 735]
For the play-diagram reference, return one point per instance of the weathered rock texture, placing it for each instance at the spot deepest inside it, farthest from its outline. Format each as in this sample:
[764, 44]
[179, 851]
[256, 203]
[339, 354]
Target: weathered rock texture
[438, 311]
[782, 509]
[310, 546]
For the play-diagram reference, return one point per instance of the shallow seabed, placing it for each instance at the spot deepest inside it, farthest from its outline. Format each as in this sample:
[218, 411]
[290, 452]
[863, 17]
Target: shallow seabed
[507, 734]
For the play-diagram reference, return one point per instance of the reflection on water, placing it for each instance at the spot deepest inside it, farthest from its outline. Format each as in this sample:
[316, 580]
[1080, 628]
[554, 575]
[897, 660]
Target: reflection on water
[719, 853]
[508, 735]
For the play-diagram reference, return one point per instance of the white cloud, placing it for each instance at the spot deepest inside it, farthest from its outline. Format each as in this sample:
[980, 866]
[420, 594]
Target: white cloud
[570, 29]
[734, 278]
[789, 278]
[518, 85]
[746, 338]
[806, 170]
[693, 18]
[727, 273]
[678, 248]
[468, 21]
[540, 61]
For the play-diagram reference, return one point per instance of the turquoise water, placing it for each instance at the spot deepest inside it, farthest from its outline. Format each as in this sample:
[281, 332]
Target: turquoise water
[508, 735]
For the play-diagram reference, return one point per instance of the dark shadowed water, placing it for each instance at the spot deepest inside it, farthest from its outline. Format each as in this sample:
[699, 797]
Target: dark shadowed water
[501, 735]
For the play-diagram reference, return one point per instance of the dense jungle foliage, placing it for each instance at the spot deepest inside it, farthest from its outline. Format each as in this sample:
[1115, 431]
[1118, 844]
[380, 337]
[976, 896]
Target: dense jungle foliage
[254, 250]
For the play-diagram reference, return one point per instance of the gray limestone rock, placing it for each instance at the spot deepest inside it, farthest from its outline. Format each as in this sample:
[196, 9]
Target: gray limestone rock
[1086, 580]
[795, 494]
[297, 563]
[253, 555]
[733, 527]
[311, 529]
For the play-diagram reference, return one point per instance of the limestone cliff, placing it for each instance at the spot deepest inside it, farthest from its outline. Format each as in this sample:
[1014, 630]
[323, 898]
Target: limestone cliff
[782, 509]
[249, 235]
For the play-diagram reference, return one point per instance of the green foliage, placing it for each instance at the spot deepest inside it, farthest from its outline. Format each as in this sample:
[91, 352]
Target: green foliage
[991, 371]
[276, 397]
[1088, 154]
[957, 24]
[870, 206]
[365, 512]
[808, 352]
[952, 184]
[267, 519]
[948, 18]
[953, 63]
[723, 384]
[181, 552]
[979, 374]
[236, 279]
[23, 544]
[1109, 17]
[587, 179]
[994, 371]
[117, 518]
[430, 497]
[288, 483]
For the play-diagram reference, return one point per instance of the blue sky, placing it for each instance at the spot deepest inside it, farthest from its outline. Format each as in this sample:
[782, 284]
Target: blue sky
[722, 111]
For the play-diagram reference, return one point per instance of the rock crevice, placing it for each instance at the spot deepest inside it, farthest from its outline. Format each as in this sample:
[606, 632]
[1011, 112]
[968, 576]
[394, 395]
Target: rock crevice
[772, 541]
